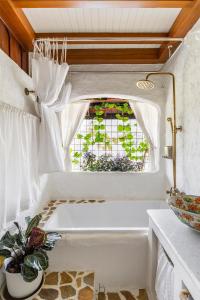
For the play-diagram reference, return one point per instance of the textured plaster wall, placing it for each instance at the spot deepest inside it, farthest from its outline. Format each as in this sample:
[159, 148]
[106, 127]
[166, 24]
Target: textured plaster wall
[186, 67]
[79, 185]
[13, 80]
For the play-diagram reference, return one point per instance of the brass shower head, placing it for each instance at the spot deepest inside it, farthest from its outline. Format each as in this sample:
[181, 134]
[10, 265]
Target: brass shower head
[145, 84]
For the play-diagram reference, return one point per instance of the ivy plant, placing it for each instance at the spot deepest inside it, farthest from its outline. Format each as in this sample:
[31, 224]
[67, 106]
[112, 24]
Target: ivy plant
[98, 135]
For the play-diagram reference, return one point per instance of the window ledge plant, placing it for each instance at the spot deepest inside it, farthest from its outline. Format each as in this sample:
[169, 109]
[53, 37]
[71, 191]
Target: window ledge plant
[24, 256]
[107, 163]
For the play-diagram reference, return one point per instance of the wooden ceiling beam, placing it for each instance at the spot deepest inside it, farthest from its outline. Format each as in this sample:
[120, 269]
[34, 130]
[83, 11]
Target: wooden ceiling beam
[113, 56]
[182, 25]
[185, 20]
[17, 23]
[102, 3]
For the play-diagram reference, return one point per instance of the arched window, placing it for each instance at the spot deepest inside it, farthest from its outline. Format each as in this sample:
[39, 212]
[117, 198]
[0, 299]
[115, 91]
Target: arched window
[110, 139]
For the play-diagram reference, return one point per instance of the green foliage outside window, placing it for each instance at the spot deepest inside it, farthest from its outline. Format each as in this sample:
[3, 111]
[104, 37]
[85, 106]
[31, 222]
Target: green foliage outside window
[99, 136]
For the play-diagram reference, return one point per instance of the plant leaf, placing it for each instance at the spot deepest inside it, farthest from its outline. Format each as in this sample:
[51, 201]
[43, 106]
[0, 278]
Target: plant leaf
[8, 240]
[5, 253]
[37, 261]
[19, 237]
[48, 246]
[79, 136]
[51, 239]
[28, 273]
[37, 237]
[120, 128]
[53, 236]
[43, 258]
[1, 244]
[33, 223]
[27, 219]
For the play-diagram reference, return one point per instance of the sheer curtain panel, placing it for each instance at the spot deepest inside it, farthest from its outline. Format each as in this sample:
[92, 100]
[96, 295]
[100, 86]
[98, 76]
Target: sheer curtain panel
[72, 118]
[147, 116]
[48, 77]
[18, 163]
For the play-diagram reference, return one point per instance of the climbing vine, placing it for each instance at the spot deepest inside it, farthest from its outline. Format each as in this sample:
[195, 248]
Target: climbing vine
[98, 135]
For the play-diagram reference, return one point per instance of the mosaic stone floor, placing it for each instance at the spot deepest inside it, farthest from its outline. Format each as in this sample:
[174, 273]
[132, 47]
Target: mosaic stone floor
[65, 285]
[124, 295]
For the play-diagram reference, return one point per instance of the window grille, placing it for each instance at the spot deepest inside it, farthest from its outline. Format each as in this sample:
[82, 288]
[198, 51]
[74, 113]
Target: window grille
[110, 128]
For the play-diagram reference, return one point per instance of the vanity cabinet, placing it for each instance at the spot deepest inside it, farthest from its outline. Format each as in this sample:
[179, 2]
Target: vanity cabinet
[174, 258]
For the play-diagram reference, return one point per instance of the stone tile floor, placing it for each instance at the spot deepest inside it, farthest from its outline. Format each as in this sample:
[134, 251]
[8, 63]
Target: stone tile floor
[123, 295]
[67, 285]
[64, 285]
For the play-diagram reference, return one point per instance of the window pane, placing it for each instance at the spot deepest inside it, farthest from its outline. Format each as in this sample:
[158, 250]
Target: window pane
[110, 133]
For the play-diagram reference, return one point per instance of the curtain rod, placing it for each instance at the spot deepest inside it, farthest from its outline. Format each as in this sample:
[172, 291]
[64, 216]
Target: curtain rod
[110, 71]
[125, 39]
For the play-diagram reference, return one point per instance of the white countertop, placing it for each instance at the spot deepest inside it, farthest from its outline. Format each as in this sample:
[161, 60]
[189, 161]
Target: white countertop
[182, 242]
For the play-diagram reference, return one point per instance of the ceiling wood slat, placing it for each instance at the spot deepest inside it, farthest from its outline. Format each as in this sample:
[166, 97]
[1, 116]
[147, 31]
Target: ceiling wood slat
[116, 56]
[17, 23]
[102, 3]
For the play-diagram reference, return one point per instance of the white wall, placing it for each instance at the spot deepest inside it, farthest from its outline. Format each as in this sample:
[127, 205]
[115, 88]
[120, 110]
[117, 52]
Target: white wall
[116, 186]
[111, 186]
[13, 80]
[186, 67]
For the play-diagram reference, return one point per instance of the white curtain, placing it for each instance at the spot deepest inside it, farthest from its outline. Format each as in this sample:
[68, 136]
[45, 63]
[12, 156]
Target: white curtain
[72, 118]
[48, 78]
[147, 116]
[18, 163]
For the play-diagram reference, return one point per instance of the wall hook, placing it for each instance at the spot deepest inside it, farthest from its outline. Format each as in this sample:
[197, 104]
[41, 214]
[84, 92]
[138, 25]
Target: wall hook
[27, 91]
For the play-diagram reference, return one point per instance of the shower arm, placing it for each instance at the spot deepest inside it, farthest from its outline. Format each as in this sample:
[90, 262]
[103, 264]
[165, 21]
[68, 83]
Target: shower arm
[173, 126]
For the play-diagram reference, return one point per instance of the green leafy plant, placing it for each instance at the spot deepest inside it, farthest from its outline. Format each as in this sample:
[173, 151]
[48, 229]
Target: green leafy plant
[27, 249]
[98, 135]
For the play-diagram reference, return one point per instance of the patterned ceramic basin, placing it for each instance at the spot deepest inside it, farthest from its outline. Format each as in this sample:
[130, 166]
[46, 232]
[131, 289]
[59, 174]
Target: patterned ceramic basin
[187, 211]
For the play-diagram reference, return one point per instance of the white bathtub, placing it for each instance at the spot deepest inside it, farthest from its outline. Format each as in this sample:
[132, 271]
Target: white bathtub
[108, 216]
[109, 238]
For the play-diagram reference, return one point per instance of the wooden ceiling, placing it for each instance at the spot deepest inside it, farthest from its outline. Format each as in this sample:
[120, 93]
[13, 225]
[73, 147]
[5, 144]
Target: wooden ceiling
[12, 14]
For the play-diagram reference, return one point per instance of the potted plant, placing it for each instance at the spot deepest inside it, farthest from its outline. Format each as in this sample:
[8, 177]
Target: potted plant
[24, 257]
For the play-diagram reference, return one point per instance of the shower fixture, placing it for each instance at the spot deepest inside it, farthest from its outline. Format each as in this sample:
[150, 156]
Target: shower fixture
[146, 84]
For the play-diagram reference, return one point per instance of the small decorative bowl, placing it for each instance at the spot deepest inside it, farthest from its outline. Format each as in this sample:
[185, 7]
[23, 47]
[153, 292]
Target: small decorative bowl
[183, 211]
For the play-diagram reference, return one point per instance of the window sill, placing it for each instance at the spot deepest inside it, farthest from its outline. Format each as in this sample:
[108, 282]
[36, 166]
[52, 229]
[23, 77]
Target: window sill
[114, 172]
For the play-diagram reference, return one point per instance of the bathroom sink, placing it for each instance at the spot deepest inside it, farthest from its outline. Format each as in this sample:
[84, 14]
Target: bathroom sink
[187, 209]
